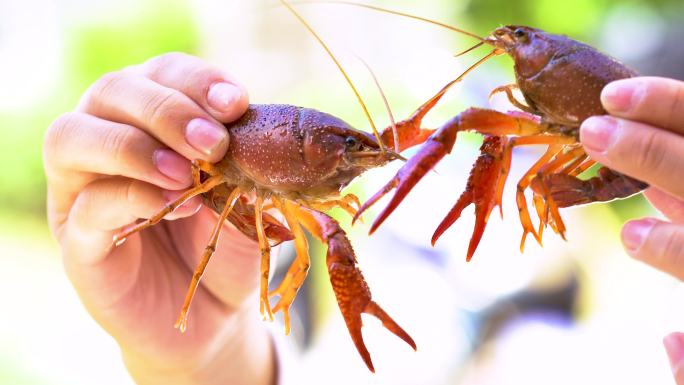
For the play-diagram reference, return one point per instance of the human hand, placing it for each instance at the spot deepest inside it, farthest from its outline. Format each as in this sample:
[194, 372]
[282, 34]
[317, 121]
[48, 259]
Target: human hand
[122, 155]
[644, 138]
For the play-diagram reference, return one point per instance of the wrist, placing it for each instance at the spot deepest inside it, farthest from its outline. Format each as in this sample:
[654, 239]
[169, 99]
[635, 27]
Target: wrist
[241, 353]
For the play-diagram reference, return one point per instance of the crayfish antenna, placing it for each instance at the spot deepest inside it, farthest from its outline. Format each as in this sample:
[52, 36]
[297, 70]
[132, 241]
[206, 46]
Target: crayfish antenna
[395, 133]
[469, 49]
[339, 66]
[397, 13]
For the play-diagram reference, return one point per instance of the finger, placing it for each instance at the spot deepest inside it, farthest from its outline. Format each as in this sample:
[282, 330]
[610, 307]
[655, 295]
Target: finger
[658, 243]
[636, 149]
[166, 114]
[652, 100]
[674, 345]
[214, 90]
[78, 142]
[671, 207]
[107, 204]
[79, 147]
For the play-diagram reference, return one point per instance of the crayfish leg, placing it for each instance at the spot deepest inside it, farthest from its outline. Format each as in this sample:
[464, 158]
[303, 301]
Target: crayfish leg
[170, 207]
[350, 287]
[568, 190]
[265, 249]
[508, 90]
[242, 217]
[345, 203]
[182, 321]
[199, 165]
[562, 162]
[555, 147]
[298, 270]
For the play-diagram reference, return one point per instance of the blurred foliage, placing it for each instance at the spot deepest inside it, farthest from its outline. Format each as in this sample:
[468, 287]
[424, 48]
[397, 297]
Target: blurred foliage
[580, 19]
[92, 49]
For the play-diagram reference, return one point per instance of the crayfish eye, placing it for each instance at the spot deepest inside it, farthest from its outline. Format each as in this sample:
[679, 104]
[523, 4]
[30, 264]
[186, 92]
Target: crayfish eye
[352, 143]
[520, 34]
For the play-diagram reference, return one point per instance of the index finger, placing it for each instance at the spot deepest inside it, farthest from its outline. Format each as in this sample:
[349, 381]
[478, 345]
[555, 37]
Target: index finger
[652, 100]
[213, 89]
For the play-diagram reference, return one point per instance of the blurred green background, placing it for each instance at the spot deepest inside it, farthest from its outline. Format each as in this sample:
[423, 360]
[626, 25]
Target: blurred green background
[51, 51]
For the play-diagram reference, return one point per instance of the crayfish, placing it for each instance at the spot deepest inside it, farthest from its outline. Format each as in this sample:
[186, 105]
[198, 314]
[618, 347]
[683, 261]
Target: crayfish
[561, 81]
[296, 160]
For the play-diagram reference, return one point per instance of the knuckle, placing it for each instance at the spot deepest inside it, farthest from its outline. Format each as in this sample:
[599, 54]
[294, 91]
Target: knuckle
[121, 144]
[55, 135]
[153, 67]
[102, 87]
[677, 104]
[651, 154]
[673, 246]
[84, 203]
[159, 105]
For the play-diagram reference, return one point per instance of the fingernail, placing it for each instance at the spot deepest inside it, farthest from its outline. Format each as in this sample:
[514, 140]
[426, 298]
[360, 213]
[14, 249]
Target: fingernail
[674, 346]
[171, 164]
[193, 204]
[171, 195]
[635, 233]
[204, 135]
[619, 96]
[222, 96]
[598, 133]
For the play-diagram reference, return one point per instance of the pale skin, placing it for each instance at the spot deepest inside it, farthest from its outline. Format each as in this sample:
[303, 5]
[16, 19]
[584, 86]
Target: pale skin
[644, 138]
[122, 155]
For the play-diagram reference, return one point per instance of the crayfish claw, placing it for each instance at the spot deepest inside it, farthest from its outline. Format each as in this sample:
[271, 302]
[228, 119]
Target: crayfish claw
[483, 189]
[375, 310]
[350, 288]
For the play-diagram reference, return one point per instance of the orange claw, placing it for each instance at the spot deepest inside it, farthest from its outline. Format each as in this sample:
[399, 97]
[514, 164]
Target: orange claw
[483, 189]
[351, 290]
[432, 151]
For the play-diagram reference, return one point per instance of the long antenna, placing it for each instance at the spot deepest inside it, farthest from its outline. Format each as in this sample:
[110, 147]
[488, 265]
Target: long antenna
[395, 134]
[398, 13]
[358, 96]
[460, 77]
[469, 49]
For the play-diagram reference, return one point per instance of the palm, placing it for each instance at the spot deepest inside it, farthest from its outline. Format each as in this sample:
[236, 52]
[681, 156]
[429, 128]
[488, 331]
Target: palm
[160, 262]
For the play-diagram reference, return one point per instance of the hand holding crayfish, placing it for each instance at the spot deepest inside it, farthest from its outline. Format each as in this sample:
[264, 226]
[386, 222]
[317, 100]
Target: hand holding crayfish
[644, 138]
[120, 156]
